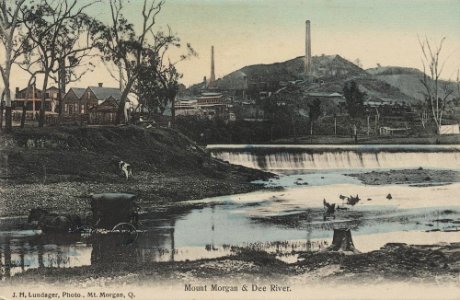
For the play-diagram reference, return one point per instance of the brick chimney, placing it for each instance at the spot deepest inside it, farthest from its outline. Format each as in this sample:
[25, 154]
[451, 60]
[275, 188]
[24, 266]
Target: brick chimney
[213, 75]
[307, 50]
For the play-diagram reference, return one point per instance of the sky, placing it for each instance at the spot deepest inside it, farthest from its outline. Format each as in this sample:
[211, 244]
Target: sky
[246, 32]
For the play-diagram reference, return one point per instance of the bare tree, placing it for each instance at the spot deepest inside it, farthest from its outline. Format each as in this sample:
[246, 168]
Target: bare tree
[12, 42]
[1, 109]
[47, 24]
[435, 91]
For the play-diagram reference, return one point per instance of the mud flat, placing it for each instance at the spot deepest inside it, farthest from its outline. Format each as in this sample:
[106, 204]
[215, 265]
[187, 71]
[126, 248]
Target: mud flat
[416, 177]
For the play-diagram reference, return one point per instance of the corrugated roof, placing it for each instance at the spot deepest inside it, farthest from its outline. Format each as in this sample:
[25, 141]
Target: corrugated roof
[103, 93]
[78, 91]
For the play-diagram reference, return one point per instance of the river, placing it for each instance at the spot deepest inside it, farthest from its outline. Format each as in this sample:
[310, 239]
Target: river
[284, 218]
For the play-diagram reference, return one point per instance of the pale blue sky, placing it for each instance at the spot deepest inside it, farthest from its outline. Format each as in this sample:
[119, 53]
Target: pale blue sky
[264, 31]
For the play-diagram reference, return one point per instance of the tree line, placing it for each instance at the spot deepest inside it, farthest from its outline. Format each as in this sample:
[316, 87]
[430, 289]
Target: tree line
[60, 41]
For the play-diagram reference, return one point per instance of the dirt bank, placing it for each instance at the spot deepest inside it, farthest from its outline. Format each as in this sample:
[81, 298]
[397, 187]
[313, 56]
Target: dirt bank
[392, 262]
[58, 167]
[416, 177]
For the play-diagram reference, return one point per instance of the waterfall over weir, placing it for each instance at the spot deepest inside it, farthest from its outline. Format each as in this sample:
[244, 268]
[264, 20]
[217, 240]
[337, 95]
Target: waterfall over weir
[314, 157]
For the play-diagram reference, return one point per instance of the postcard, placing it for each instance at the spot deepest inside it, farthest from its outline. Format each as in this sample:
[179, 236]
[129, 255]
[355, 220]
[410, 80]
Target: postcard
[229, 149]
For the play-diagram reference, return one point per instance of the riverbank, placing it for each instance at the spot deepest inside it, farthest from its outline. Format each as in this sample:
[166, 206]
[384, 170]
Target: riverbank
[416, 177]
[57, 168]
[393, 262]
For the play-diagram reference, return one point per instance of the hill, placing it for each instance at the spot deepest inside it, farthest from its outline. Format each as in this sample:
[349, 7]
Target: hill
[323, 67]
[407, 80]
[389, 84]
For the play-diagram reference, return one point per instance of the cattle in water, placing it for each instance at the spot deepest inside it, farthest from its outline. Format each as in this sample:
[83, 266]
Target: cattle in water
[52, 222]
[329, 209]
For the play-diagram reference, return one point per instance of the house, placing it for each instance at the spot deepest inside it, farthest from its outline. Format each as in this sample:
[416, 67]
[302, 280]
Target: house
[331, 102]
[80, 100]
[72, 101]
[97, 104]
[335, 98]
[104, 113]
[208, 105]
[187, 108]
[249, 110]
[393, 131]
[449, 129]
[210, 98]
[31, 97]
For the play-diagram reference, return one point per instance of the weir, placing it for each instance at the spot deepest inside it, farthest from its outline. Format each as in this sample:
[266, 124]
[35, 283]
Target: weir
[320, 157]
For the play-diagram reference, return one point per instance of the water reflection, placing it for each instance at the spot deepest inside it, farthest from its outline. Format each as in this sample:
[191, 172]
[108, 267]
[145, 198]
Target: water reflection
[33, 250]
[280, 222]
[208, 232]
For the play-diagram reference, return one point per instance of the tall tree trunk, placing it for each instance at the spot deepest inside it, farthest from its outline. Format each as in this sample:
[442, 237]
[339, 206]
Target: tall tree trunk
[121, 105]
[173, 112]
[61, 87]
[24, 112]
[8, 112]
[23, 115]
[2, 109]
[41, 119]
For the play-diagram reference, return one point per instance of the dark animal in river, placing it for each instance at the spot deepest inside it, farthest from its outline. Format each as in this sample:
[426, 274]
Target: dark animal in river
[389, 197]
[52, 222]
[353, 200]
[330, 209]
[342, 197]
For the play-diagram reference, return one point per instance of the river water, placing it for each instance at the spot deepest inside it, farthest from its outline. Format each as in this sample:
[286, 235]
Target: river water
[286, 217]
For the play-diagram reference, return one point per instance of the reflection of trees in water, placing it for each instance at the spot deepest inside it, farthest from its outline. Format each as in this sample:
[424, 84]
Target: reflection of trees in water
[155, 243]
[37, 251]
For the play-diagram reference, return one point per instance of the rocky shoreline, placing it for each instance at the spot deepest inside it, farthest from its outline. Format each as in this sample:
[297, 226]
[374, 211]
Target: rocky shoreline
[416, 177]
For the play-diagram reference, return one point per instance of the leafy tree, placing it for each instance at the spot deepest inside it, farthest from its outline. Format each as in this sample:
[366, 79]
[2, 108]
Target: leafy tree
[158, 80]
[354, 99]
[48, 24]
[76, 49]
[354, 104]
[127, 48]
[134, 52]
[314, 112]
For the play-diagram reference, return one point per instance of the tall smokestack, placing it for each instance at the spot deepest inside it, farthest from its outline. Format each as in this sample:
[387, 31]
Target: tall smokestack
[307, 51]
[213, 75]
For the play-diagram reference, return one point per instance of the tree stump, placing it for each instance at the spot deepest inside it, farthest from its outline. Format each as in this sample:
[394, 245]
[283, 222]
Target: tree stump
[342, 241]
